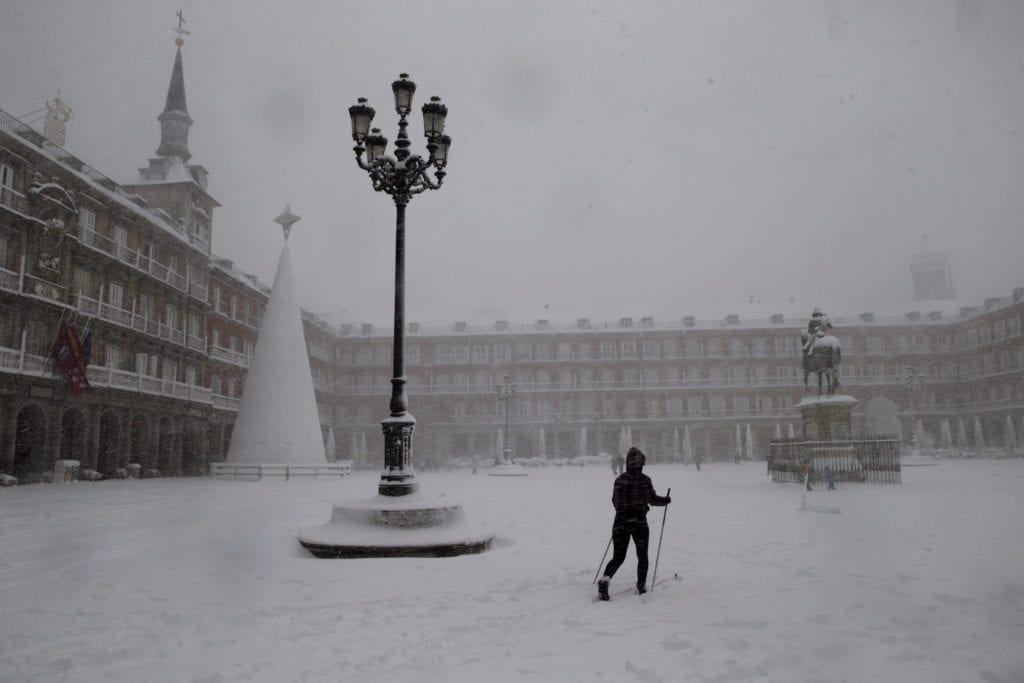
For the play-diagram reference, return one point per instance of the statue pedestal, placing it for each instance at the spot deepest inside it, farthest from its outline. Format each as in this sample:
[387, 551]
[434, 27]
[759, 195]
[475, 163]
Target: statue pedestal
[827, 418]
[507, 469]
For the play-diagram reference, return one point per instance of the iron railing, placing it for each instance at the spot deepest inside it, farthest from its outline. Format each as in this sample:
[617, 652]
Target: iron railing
[868, 460]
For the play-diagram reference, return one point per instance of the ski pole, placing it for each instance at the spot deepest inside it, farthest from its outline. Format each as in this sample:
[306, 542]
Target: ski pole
[654, 576]
[602, 559]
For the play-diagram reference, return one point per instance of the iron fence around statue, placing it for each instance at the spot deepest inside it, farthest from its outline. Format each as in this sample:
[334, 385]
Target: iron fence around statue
[867, 460]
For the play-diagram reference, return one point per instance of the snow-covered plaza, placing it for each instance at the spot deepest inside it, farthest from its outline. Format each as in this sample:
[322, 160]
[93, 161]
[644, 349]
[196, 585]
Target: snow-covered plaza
[195, 580]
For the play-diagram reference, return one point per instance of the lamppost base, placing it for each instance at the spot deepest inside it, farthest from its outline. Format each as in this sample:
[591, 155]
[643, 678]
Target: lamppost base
[411, 526]
[397, 486]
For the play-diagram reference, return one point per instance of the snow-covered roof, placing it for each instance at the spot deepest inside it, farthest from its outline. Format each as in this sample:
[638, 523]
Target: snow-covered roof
[248, 280]
[98, 182]
[750, 315]
[175, 171]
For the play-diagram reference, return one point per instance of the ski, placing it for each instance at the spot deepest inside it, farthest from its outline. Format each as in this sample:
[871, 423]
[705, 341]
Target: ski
[631, 590]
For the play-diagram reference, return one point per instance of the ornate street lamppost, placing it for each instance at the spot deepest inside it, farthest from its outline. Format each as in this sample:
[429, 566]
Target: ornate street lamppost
[401, 176]
[506, 392]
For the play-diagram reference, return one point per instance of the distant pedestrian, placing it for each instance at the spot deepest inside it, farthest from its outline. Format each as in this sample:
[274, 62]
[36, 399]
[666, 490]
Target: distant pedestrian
[697, 461]
[632, 494]
[830, 477]
[617, 463]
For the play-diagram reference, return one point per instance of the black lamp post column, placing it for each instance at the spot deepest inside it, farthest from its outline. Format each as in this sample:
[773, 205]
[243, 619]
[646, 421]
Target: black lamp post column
[401, 176]
[506, 392]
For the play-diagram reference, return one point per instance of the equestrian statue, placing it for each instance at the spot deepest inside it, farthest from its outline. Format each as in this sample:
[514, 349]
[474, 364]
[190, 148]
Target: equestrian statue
[821, 353]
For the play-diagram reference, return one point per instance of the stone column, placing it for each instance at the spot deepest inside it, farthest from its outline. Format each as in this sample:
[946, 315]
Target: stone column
[8, 429]
[93, 440]
[56, 434]
[176, 446]
[220, 442]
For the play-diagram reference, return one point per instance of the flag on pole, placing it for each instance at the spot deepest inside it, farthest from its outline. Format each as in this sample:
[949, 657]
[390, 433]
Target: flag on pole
[87, 346]
[69, 358]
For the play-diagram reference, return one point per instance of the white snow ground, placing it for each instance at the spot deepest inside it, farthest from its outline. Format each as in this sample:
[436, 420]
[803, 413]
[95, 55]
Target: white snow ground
[194, 580]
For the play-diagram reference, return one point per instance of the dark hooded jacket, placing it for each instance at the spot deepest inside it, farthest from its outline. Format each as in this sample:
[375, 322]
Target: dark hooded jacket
[633, 492]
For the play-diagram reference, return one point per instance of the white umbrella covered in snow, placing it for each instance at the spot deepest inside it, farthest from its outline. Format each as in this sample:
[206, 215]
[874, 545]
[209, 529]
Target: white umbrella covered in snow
[778, 431]
[792, 434]
[738, 448]
[750, 444]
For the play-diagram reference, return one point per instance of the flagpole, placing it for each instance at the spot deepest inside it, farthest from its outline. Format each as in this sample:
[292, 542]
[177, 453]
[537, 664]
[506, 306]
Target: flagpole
[49, 351]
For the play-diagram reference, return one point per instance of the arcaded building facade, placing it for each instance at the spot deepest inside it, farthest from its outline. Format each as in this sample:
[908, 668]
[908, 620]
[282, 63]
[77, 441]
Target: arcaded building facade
[580, 385]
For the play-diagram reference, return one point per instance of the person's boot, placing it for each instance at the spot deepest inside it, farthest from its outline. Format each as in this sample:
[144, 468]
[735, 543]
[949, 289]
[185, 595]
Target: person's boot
[641, 588]
[602, 587]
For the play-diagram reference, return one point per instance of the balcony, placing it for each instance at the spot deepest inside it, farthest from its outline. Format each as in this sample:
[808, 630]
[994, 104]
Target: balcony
[197, 290]
[225, 402]
[322, 353]
[91, 238]
[142, 263]
[44, 289]
[19, 362]
[229, 356]
[9, 280]
[14, 200]
[139, 323]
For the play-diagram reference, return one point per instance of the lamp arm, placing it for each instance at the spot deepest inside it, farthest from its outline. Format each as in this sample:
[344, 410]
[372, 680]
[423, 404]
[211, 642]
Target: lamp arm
[359, 158]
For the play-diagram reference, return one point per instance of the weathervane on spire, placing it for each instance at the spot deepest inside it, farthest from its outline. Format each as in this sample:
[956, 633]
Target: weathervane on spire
[179, 41]
[286, 220]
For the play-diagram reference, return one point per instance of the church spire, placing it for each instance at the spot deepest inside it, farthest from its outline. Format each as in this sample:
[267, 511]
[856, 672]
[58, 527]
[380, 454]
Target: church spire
[175, 121]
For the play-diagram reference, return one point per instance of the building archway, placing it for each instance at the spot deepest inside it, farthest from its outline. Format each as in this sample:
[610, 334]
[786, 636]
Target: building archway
[74, 435]
[882, 416]
[30, 439]
[108, 456]
[193, 453]
[140, 452]
[166, 461]
[215, 442]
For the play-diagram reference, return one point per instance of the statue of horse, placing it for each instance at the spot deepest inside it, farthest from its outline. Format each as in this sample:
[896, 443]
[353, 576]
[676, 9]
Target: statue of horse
[821, 355]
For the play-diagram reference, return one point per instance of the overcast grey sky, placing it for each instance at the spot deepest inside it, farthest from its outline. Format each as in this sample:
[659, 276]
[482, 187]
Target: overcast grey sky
[608, 158]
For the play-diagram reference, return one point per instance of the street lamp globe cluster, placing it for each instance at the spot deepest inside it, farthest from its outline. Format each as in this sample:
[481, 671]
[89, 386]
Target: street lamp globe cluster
[402, 175]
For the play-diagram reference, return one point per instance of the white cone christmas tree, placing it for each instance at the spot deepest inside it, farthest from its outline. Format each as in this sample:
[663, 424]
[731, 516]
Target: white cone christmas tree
[277, 420]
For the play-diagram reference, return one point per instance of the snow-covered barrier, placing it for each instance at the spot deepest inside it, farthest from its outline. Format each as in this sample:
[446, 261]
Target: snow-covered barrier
[223, 470]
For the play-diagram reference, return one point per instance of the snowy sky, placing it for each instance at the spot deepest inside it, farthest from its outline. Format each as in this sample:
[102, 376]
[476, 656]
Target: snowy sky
[608, 158]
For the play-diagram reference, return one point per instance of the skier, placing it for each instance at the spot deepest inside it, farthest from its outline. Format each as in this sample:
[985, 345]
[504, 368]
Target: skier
[632, 493]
